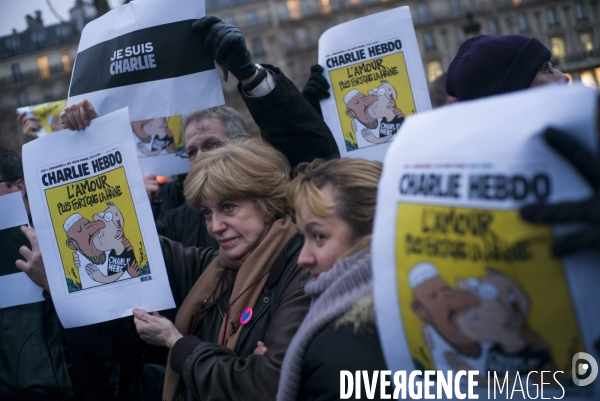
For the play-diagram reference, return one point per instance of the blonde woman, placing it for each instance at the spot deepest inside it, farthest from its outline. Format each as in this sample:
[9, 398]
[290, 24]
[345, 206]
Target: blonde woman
[334, 203]
[249, 289]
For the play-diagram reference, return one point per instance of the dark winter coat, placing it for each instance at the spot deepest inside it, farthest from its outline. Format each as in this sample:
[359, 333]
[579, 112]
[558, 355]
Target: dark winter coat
[212, 371]
[350, 343]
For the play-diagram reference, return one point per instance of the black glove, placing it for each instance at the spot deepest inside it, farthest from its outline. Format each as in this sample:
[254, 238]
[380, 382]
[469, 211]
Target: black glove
[227, 46]
[316, 88]
[586, 211]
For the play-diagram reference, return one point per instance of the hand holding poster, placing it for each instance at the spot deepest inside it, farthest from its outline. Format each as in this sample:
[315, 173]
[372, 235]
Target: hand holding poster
[144, 55]
[377, 81]
[461, 281]
[47, 114]
[15, 287]
[94, 223]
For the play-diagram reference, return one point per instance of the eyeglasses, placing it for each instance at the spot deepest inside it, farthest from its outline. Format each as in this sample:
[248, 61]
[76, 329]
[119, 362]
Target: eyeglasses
[205, 147]
[547, 67]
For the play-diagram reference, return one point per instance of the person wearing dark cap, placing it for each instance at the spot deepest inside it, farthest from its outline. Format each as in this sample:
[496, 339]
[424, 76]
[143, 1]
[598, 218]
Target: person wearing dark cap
[491, 65]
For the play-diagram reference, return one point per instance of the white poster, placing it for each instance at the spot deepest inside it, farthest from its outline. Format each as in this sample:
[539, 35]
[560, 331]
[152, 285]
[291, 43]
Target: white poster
[15, 287]
[144, 55]
[461, 281]
[376, 75]
[94, 223]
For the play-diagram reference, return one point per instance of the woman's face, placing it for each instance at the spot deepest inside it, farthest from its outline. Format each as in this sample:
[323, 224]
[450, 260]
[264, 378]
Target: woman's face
[325, 238]
[238, 226]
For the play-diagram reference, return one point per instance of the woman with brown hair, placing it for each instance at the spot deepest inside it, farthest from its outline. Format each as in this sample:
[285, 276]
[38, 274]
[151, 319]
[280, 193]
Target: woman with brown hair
[334, 203]
[249, 289]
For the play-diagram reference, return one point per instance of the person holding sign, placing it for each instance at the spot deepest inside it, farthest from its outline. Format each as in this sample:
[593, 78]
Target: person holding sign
[33, 365]
[249, 289]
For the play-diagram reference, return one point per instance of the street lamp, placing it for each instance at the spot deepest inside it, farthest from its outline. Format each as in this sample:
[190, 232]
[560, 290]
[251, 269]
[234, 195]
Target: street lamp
[471, 28]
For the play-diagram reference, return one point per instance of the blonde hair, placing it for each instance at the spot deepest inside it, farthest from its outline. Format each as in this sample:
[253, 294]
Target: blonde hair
[241, 169]
[354, 185]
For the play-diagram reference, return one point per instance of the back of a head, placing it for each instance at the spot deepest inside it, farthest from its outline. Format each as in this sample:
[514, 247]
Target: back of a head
[233, 123]
[11, 165]
[437, 91]
[241, 169]
[492, 65]
[354, 184]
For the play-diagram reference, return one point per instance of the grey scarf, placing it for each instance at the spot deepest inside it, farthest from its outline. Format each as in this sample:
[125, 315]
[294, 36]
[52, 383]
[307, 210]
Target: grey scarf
[333, 294]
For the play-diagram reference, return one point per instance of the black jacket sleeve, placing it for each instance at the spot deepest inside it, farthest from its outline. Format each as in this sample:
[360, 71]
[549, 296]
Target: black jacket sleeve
[187, 226]
[289, 123]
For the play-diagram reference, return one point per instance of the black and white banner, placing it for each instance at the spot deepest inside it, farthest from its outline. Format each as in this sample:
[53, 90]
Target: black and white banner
[144, 55]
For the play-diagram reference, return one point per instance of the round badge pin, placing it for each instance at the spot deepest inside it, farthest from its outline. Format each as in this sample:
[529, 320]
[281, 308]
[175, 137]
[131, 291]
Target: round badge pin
[246, 316]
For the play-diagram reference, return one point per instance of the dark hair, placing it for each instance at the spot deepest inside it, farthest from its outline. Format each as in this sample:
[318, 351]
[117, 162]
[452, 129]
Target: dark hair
[11, 166]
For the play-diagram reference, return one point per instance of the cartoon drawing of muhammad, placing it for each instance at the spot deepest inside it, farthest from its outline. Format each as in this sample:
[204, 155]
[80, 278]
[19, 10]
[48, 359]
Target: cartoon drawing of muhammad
[439, 306]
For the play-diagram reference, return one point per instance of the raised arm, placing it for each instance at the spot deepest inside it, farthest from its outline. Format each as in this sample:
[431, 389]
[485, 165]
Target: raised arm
[286, 119]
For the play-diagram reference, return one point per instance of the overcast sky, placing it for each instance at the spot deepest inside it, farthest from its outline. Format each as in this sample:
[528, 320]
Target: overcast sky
[12, 12]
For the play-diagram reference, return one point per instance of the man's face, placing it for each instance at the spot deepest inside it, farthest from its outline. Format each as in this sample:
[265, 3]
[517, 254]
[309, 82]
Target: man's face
[5, 190]
[110, 236]
[81, 237]
[200, 134]
[386, 101]
[15, 186]
[440, 305]
[547, 74]
[358, 108]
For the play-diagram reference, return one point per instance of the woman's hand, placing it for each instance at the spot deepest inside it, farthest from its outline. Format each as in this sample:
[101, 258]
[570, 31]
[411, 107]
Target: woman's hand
[155, 329]
[78, 116]
[260, 348]
[33, 265]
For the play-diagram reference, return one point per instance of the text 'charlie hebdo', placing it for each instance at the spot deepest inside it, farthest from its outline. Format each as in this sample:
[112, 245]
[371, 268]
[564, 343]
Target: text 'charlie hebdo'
[493, 187]
[86, 184]
[132, 58]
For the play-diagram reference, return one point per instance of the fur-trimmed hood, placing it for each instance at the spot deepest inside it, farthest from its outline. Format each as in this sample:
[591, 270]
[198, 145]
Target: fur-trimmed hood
[361, 317]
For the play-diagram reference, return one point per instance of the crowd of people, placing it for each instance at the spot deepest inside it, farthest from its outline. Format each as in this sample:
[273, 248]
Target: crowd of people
[280, 224]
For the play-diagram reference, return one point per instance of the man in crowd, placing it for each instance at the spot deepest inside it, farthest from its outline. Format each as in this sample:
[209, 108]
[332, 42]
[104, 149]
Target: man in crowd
[203, 130]
[493, 65]
[31, 334]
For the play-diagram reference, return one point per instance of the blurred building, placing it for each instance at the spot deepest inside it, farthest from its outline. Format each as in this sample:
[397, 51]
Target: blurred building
[35, 65]
[286, 32]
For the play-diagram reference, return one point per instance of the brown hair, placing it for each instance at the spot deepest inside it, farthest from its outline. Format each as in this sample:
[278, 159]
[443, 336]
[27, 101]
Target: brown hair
[241, 169]
[354, 184]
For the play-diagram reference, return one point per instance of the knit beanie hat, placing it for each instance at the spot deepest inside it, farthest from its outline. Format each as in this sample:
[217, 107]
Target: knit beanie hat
[490, 65]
